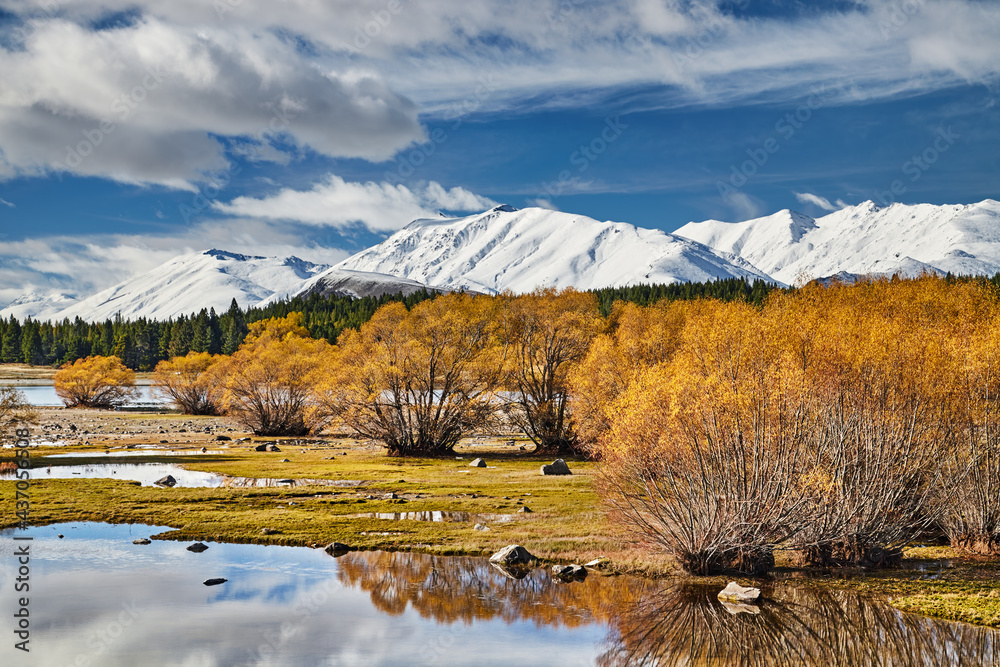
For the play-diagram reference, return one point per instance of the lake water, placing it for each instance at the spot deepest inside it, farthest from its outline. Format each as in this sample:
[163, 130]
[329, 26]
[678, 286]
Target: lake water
[45, 396]
[97, 597]
[148, 473]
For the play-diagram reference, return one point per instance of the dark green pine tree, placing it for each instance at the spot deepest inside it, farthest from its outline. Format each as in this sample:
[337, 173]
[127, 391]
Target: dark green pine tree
[214, 333]
[235, 328]
[10, 348]
[31, 344]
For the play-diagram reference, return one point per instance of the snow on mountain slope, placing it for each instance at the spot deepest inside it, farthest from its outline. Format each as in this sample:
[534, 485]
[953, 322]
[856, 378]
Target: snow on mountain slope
[186, 284]
[520, 250]
[863, 239]
[37, 306]
[355, 284]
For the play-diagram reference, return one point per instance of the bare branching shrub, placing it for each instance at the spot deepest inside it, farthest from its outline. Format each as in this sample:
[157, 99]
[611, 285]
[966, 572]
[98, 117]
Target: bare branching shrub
[15, 410]
[704, 455]
[969, 504]
[544, 335]
[187, 382]
[95, 382]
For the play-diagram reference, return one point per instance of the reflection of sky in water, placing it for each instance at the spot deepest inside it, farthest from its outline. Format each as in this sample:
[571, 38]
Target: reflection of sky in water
[274, 599]
[148, 473]
[97, 596]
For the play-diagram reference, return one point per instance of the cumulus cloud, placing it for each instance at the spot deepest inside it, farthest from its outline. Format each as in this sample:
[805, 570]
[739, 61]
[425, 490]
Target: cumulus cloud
[337, 203]
[146, 103]
[821, 202]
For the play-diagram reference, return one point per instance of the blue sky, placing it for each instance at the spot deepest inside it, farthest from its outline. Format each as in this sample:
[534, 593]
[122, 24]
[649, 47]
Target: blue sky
[131, 131]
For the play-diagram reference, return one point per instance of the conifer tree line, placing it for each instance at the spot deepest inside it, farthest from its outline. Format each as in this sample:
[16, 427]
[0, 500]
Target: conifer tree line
[142, 343]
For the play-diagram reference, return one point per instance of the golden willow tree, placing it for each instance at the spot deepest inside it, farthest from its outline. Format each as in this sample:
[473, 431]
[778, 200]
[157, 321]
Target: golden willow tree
[95, 382]
[636, 339]
[838, 422]
[544, 335]
[189, 383]
[418, 381]
[270, 382]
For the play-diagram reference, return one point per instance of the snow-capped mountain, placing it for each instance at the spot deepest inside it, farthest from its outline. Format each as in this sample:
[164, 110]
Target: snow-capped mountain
[520, 250]
[355, 284]
[37, 306]
[186, 284]
[862, 240]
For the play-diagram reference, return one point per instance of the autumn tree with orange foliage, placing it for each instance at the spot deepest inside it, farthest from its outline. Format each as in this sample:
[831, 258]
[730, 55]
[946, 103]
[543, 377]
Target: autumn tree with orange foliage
[189, 384]
[270, 382]
[839, 422]
[95, 382]
[704, 451]
[544, 335]
[637, 339]
[418, 381]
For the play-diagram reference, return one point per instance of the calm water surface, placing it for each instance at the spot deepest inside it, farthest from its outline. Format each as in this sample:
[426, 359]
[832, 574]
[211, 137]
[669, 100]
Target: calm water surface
[148, 473]
[45, 396]
[95, 596]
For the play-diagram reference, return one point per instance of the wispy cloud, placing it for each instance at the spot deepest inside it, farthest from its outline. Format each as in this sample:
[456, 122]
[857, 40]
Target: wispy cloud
[6, 203]
[821, 202]
[337, 203]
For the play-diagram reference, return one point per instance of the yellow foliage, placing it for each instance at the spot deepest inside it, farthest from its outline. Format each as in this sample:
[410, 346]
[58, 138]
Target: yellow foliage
[187, 381]
[95, 382]
[855, 413]
[271, 381]
[544, 335]
[418, 380]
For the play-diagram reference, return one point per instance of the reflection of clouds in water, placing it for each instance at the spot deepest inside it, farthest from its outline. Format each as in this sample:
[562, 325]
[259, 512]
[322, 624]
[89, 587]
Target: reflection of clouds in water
[297, 606]
[268, 609]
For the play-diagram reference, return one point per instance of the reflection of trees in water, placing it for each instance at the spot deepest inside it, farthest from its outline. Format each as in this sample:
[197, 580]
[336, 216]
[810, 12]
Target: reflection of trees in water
[663, 623]
[450, 589]
[686, 625]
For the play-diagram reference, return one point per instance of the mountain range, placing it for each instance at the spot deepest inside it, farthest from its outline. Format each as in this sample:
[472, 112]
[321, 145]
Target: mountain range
[520, 250]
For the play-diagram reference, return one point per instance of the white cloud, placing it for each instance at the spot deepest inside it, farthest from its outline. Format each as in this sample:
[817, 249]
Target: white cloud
[816, 200]
[743, 205]
[337, 203]
[143, 103]
[343, 73]
[6, 203]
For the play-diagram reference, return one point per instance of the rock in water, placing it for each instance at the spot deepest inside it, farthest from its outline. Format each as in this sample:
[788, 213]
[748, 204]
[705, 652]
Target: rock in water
[570, 572]
[557, 467]
[337, 549]
[166, 481]
[736, 593]
[142, 540]
[215, 582]
[477, 463]
[513, 554]
[198, 547]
